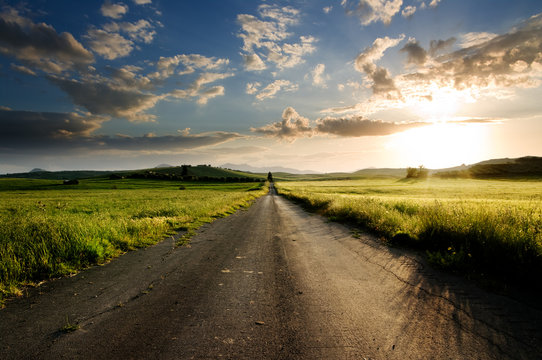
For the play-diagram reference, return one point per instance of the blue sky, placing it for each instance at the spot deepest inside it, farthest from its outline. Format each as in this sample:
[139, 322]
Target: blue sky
[315, 85]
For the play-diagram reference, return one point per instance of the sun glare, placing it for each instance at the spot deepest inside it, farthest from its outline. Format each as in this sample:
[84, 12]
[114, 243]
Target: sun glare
[440, 145]
[441, 106]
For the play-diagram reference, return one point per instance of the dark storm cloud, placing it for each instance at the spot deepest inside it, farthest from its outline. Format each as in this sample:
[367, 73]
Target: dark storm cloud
[291, 127]
[415, 53]
[294, 126]
[31, 130]
[358, 126]
[61, 133]
[106, 98]
[39, 45]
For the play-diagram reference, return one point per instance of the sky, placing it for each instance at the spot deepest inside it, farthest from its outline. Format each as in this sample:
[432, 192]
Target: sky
[314, 85]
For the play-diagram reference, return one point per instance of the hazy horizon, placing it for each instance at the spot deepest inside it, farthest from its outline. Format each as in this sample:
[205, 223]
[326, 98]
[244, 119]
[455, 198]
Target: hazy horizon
[323, 86]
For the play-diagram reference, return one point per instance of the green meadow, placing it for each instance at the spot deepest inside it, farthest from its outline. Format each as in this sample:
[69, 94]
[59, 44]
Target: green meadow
[487, 229]
[48, 229]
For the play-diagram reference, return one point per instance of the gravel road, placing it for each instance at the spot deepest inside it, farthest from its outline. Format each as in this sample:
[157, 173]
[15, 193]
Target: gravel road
[268, 282]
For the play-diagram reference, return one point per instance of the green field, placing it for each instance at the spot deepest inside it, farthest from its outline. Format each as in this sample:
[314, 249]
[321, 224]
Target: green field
[487, 229]
[48, 229]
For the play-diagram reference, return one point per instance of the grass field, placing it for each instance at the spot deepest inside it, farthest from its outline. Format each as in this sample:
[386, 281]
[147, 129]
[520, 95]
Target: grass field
[488, 229]
[48, 229]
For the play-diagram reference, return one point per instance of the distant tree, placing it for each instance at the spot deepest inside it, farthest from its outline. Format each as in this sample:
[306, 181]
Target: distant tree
[269, 177]
[411, 172]
[417, 173]
[423, 173]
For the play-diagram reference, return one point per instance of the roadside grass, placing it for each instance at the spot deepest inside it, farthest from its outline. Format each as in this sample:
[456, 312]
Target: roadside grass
[487, 229]
[49, 230]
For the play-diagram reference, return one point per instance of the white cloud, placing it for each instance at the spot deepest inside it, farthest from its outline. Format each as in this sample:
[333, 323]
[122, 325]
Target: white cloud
[375, 52]
[109, 45]
[198, 91]
[434, 3]
[475, 38]
[253, 62]
[317, 75]
[264, 38]
[23, 69]
[408, 11]
[167, 66]
[327, 9]
[291, 127]
[115, 11]
[142, 2]
[370, 11]
[273, 88]
[138, 31]
[252, 88]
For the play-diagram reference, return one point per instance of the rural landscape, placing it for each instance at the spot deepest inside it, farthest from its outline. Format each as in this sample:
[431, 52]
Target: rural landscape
[271, 179]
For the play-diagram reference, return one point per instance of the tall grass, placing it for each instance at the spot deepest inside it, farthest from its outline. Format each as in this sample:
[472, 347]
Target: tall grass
[50, 233]
[488, 229]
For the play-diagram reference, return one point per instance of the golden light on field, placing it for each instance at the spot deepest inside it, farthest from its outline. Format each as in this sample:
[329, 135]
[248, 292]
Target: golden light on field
[441, 145]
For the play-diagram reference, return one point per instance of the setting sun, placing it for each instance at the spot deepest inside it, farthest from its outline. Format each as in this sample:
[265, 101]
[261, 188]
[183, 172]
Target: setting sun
[441, 145]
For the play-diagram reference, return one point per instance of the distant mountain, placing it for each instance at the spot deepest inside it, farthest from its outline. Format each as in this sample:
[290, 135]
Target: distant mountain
[524, 167]
[260, 170]
[37, 170]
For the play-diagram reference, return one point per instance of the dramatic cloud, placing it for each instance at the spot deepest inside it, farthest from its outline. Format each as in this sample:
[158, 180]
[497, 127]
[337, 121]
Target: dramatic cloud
[294, 126]
[107, 98]
[358, 126]
[437, 46]
[378, 78]
[416, 54]
[57, 133]
[264, 38]
[291, 127]
[510, 60]
[151, 143]
[490, 69]
[270, 90]
[27, 129]
[370, 11]
[115, 11]
[39, 46]
[110, 44]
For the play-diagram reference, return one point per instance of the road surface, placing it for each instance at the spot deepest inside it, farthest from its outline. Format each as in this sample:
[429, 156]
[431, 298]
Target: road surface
[269, 282]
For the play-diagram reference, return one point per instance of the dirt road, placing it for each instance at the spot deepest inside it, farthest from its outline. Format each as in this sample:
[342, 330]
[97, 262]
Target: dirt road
[270, 282]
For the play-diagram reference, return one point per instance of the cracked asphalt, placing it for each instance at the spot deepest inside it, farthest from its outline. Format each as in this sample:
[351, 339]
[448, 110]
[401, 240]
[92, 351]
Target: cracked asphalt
[268, 282]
